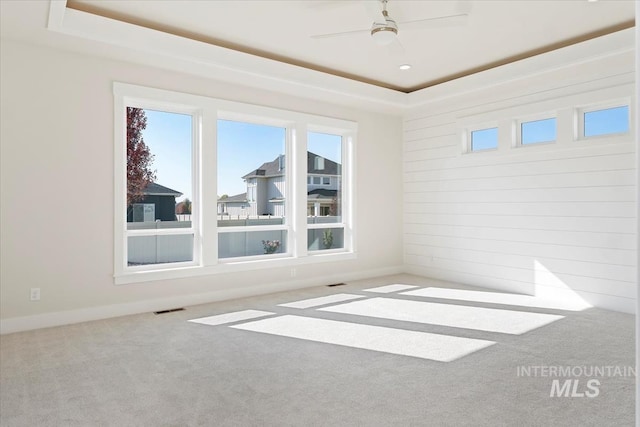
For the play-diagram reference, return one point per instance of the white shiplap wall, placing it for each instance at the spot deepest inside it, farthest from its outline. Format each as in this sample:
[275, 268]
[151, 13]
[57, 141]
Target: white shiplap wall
[555, 219]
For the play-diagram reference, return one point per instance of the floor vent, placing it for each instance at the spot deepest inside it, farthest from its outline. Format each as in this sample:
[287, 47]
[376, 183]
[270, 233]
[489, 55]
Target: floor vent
[171, 310]
[336, 284]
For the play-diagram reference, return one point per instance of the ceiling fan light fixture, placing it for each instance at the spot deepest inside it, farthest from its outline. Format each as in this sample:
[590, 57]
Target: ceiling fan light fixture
[384, 32]
[384, 36]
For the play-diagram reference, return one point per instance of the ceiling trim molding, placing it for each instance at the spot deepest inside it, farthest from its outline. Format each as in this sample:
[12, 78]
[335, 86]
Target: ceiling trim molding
[195, 57]
[160, 49]
[599, 48]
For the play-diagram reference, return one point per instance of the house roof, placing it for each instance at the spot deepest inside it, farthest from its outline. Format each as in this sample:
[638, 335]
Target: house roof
[238, 198]
[321, 194]
[267, 169]
[272, 168]
[330, 167]
[154, 189]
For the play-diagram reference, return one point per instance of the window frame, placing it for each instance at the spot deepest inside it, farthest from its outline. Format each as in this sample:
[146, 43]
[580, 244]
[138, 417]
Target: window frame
[579, 121]
[132, 100]
[517, 131]
[468, 138]
[346, 206]
[205, 112]
[287, 125]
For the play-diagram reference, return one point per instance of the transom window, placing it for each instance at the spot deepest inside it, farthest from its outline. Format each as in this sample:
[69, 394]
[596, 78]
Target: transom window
[604, 121]
[545, 124]
[537, 131]
[205, 186]
[484, 139]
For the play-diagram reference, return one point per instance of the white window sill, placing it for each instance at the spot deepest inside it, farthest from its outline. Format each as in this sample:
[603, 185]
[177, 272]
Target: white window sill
[239, 266]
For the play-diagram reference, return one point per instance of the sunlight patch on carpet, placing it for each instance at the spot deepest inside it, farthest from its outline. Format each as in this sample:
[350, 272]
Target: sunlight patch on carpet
[222, 319]
[424, 345]
[496, 298]
[316, 302]
[457, 316]
[387, 289]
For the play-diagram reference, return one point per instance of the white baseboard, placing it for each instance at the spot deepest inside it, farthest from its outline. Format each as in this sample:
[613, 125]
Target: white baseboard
[59, 318]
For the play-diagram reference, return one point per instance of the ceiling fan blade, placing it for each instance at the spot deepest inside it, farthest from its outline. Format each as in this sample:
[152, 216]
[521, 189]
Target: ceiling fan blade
[396, 49]
[438, 22]
[341, 34]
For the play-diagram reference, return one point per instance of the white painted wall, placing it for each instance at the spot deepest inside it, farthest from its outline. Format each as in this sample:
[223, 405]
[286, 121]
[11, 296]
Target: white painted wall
[57, 152]
[555, 219]
[524, 220]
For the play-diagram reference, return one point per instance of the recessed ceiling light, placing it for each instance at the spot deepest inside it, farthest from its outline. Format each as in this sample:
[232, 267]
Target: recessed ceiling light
[405, 66]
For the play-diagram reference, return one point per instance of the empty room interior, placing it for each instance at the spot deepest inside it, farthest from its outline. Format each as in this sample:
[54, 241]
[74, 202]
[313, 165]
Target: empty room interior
[322, 213]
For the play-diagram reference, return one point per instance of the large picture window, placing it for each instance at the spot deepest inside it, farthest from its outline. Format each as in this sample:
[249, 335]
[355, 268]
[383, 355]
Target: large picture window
[252, 176]
[159, 148]
[205, 186]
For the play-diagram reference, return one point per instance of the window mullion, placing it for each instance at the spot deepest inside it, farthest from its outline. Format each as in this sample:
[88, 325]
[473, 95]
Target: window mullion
[207, 238]
[208, 206]
[120, 186]
[299, 190]
[348, 189]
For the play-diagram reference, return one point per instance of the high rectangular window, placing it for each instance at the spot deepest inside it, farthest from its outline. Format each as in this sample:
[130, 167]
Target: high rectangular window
[484, 139]
[606, 121]
[538, 131]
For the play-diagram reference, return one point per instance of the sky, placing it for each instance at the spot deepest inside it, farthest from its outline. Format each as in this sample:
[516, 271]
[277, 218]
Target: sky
[168, 136]
[242, 147]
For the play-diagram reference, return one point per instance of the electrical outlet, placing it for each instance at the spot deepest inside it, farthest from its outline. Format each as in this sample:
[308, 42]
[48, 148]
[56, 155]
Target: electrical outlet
[293, 272]
[35, 294]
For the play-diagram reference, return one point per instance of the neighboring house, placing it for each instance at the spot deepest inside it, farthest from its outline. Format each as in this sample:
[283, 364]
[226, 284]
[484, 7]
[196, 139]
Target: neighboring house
[266, 189]
[233, 205]
[159, 203]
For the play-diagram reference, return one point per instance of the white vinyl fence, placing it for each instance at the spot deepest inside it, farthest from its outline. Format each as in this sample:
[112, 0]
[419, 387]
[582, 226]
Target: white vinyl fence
[179, 247]
[159, 249]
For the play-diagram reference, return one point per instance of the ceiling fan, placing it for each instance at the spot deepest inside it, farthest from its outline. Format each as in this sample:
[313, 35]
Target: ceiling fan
[384, 29]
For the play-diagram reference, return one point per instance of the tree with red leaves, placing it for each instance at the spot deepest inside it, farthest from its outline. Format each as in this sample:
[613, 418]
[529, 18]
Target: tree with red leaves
[139, 157]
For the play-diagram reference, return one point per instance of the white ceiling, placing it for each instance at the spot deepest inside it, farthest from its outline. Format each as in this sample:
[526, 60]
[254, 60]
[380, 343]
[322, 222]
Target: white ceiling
[496, 32]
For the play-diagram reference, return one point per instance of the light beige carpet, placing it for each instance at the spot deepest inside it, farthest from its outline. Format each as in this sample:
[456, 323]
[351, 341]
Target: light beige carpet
[241, 370]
